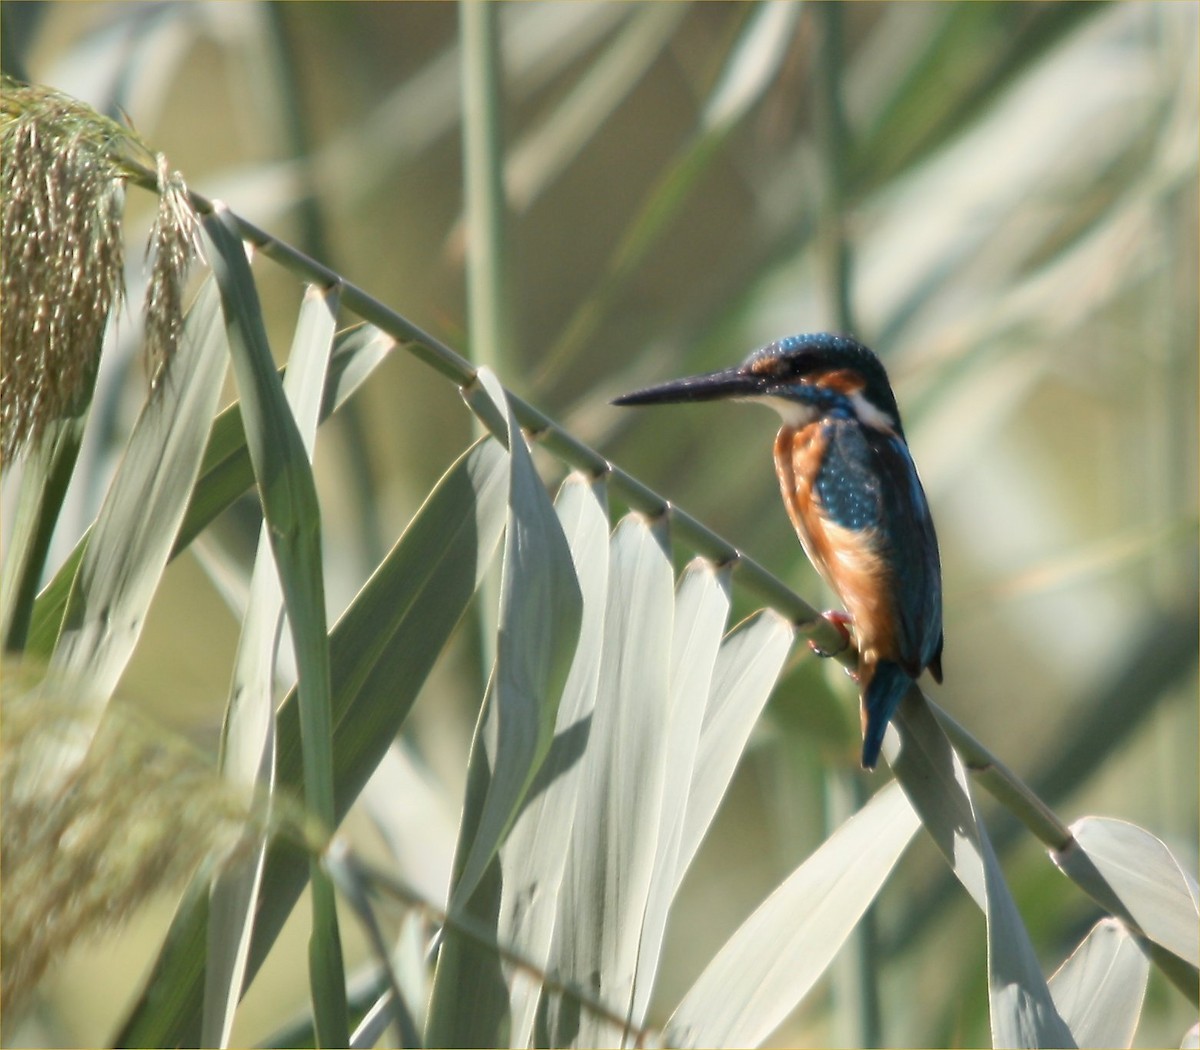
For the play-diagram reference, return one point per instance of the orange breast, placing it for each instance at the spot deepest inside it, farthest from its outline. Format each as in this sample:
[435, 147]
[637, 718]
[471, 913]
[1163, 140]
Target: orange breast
[848, 559]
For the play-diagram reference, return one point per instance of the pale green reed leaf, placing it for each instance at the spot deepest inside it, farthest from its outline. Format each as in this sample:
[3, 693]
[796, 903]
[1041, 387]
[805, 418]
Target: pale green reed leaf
[927, 768]
[1134, 874]
[532, 858]
[225, 470]
[754, 63]
[540, 610]
[748, 665]
[248, 744]
[382, 649]
[45, 475]
[616, 833]
[933, 777]
[701, 609]
[1100, 988]
[292, 517]
[135, 530]
[767, 967]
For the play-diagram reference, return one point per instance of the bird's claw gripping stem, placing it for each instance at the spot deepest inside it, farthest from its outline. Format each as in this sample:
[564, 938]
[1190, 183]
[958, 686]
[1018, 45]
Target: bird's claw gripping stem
[840, 622]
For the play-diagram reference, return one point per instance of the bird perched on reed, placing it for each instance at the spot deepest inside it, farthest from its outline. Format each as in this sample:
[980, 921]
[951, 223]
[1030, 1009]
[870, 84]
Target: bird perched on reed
[852, 492]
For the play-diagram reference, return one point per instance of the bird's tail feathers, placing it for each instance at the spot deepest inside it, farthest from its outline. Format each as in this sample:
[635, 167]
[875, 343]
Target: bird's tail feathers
[882, 696]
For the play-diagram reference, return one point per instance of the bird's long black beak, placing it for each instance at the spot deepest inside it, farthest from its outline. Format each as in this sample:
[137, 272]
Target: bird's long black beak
[712, 386]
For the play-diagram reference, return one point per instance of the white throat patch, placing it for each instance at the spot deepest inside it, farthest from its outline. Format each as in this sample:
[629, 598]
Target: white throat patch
[797, 414]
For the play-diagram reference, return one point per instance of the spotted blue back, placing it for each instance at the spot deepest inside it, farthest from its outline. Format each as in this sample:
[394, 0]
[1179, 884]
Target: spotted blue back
[848, 487]
[867, 481]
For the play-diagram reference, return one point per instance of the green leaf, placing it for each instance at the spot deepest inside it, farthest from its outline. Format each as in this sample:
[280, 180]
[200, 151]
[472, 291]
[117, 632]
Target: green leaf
[753, 64]
[533, 858]
[1022, 1011]
[777, 955]
[349, 877]
[44, 480]
[248, 744]
[292, 517]
[225, 471]
[933, 777]
[381, 651]
[1099, 989]
[540, 609]
[616, 832]
[133, 534]
[1136, 876]
[701, 610]
[748, 665]
[922, 759]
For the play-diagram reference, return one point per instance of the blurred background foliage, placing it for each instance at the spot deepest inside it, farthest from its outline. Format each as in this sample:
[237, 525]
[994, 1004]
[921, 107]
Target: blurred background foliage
[1001, 199]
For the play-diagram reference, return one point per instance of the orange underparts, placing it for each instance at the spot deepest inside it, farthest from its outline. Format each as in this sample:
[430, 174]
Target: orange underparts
[848, 559]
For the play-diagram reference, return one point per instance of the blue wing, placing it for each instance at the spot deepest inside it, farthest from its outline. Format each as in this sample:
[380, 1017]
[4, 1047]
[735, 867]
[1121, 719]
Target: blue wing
[867, 481]
[913, 555]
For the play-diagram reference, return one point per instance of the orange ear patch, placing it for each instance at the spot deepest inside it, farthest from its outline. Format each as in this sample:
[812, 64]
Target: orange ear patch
[844, 381]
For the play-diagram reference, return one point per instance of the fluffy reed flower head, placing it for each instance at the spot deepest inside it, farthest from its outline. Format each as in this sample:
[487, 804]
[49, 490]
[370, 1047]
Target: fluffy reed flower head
[97, 819]
[62, 260]
[62, 256]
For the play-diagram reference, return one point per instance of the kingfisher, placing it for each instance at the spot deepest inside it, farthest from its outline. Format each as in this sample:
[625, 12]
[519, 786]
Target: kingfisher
[853, 495]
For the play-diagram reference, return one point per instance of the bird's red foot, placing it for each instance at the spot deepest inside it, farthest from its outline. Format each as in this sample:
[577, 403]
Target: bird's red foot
[840, 622]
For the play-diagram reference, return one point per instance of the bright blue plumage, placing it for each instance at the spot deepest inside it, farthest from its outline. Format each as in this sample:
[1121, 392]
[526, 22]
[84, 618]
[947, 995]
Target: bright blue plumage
[847, 484]
[881, 697]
